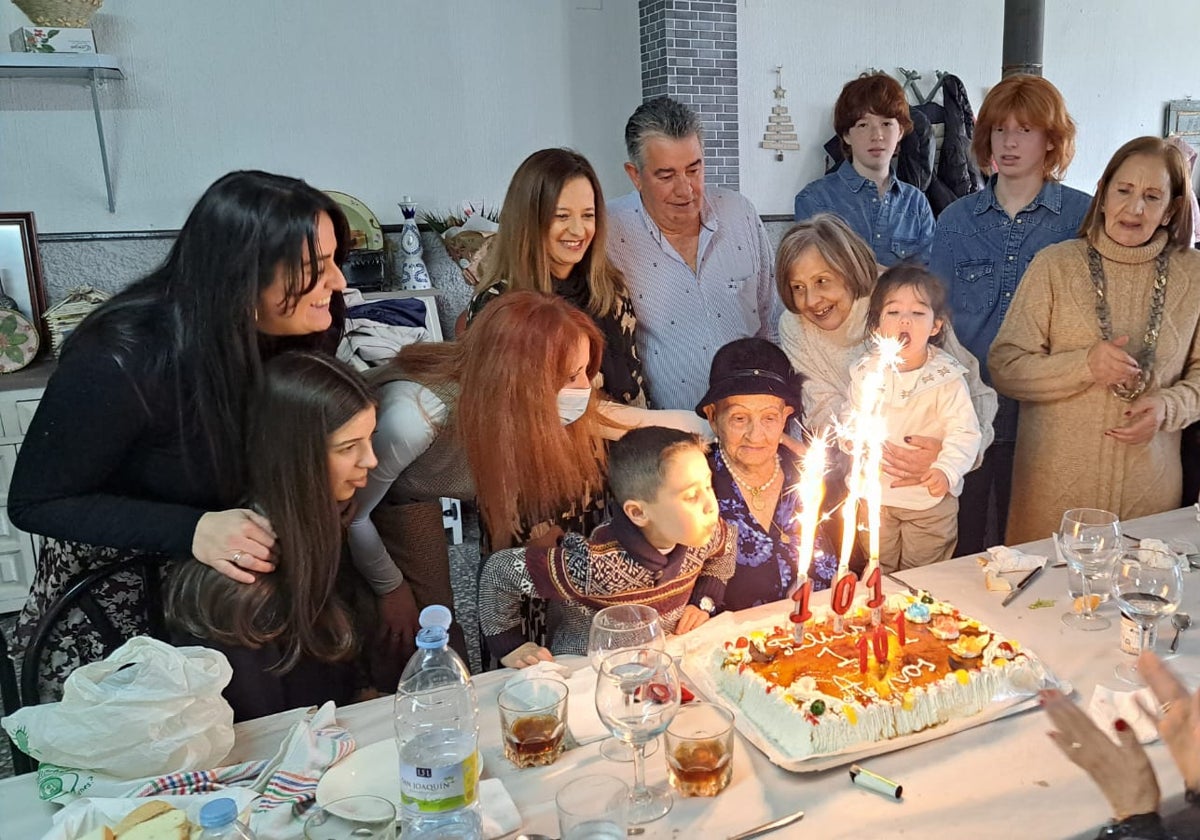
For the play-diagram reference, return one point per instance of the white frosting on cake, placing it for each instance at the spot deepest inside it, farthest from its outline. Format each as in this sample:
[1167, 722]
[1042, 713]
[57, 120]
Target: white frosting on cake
[784, 714]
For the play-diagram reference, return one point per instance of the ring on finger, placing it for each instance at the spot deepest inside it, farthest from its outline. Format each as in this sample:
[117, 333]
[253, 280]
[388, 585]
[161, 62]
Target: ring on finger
[1165, 707]
[1075, 745]
[237, 558]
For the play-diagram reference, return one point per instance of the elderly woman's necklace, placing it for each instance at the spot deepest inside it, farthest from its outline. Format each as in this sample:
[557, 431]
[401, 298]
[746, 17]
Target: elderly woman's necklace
[756, 500]
[1145, 357]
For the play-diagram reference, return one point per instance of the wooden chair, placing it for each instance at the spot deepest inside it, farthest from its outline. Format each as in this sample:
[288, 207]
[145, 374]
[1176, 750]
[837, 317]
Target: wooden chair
[11, 700]
[79, 593]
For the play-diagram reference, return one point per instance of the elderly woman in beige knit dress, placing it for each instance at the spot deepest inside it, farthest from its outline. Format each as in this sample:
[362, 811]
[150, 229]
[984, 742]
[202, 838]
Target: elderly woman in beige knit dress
[1102, 348]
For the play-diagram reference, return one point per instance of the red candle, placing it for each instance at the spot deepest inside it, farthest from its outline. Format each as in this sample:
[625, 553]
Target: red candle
[880, 642]
[901, 628]
[801, 596]
[875, 582]
[843, 593]
[862, 654]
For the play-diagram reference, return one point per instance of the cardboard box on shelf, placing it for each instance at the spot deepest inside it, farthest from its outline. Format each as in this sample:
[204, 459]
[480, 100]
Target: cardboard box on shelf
[52, 39]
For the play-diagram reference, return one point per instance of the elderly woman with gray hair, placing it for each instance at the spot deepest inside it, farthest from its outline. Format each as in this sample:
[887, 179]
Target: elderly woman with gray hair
[751, 397]
[697, 260]
[825, 273]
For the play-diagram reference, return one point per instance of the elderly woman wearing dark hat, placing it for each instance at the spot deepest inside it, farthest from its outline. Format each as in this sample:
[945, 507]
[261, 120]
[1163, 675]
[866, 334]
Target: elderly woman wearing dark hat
[752, 394]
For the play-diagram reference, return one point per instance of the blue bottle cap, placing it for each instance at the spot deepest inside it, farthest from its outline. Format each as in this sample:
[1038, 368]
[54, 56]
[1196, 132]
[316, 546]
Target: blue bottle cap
[436, 615]
[218, 812]
[431, 638]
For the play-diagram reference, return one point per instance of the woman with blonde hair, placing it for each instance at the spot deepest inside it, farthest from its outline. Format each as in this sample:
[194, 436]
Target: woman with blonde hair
[507, 415]
[982, 246]
[552, 239]
[1102, 348]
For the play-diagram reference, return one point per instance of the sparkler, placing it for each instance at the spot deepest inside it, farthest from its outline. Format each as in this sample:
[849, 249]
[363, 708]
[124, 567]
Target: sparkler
[866, 432]
[812, 493]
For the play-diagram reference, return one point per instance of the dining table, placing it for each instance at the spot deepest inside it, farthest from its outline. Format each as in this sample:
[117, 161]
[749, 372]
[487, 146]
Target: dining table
[1001, 779]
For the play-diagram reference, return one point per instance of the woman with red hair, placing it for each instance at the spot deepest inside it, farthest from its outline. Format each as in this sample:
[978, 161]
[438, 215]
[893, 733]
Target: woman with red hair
[506, 414]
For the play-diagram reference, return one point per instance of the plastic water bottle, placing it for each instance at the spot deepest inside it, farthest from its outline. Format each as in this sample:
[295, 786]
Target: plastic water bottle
[219, 821]
[437, 733]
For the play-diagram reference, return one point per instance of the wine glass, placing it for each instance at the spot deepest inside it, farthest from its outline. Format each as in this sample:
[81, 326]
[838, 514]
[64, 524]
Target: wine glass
[623, 627]
[1089, 541]
[637, 696]
[1148, 585]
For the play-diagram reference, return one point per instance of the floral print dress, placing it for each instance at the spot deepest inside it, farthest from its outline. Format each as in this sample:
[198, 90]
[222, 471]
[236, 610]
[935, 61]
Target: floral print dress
[767, 560]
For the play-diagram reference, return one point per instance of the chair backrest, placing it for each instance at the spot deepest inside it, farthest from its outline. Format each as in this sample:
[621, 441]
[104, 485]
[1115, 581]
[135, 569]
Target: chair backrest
[79, 593]
[11, 700]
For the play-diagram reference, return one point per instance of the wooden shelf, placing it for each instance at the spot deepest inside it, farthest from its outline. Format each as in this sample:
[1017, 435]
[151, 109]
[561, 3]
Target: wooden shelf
[59, 66]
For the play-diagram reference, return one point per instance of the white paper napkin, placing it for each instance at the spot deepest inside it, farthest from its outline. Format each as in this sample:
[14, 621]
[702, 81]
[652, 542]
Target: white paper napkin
[1003, 559]
[500, 815]
[1107, 705]
[582, 718]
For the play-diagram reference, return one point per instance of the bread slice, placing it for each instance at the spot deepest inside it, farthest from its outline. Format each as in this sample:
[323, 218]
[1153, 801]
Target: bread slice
[170, 825]
[142, 813]
[101, 833]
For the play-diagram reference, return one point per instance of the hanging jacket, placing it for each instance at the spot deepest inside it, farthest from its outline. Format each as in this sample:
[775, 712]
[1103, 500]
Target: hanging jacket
[957, 169]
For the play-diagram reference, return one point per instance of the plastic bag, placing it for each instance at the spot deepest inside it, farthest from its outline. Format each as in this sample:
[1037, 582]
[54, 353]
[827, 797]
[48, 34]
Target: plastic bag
[148, 709]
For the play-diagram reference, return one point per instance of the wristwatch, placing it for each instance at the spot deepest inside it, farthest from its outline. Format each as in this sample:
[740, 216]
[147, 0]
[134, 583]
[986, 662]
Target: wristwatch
[708, 605]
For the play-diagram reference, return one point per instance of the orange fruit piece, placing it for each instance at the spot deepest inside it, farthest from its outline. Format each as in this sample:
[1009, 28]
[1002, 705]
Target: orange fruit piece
[1079, 607]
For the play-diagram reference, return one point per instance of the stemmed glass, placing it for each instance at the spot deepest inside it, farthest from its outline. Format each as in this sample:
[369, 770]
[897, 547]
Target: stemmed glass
[637, 696]
[1090, 541]
[1148, 585]
[623, 627]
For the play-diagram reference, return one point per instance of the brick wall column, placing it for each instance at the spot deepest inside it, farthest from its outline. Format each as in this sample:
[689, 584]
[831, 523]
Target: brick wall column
[689, 52]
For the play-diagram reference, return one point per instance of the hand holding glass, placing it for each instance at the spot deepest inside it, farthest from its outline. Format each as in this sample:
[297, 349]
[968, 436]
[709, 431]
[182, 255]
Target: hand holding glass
[637, 697]
[1089, 540]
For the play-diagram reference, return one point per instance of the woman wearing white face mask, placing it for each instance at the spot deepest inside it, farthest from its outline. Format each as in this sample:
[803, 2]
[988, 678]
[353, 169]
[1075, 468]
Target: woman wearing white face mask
[506, 414]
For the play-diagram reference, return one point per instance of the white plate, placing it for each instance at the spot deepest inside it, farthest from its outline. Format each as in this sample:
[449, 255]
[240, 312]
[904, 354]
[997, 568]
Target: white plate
[373, 769]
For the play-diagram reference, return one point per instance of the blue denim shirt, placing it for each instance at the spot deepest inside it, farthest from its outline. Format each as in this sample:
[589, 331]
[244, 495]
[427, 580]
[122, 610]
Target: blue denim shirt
[980, 253]
[897, 225]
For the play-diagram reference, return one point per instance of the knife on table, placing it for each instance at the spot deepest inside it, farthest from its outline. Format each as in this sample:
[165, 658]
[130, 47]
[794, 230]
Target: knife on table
[912, 590]
[1021, 584]
[766, 827]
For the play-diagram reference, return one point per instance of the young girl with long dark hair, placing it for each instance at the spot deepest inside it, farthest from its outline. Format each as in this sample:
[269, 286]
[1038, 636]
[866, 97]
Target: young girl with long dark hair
[290, 635]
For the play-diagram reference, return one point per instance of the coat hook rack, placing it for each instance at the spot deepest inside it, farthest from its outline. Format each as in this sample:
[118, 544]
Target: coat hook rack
[911, 77]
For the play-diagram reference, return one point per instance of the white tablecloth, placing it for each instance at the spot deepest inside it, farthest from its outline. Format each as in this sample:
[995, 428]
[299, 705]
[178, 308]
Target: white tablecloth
[1000, 780]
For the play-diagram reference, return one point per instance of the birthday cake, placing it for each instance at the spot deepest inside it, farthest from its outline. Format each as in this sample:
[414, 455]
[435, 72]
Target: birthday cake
[924, 665]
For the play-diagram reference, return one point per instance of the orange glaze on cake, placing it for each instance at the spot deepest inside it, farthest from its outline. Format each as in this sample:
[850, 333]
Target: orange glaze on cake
[832, 659]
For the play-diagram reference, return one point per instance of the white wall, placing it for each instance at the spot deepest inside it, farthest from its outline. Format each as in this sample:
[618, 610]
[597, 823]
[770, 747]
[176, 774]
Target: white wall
[1117, 63]
[378, 98]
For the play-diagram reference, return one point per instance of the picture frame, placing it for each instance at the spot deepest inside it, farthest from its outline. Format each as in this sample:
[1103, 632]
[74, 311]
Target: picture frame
[21, 267]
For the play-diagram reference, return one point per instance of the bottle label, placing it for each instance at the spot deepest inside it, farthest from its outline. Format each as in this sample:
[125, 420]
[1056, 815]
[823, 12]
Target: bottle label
[434, 790]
